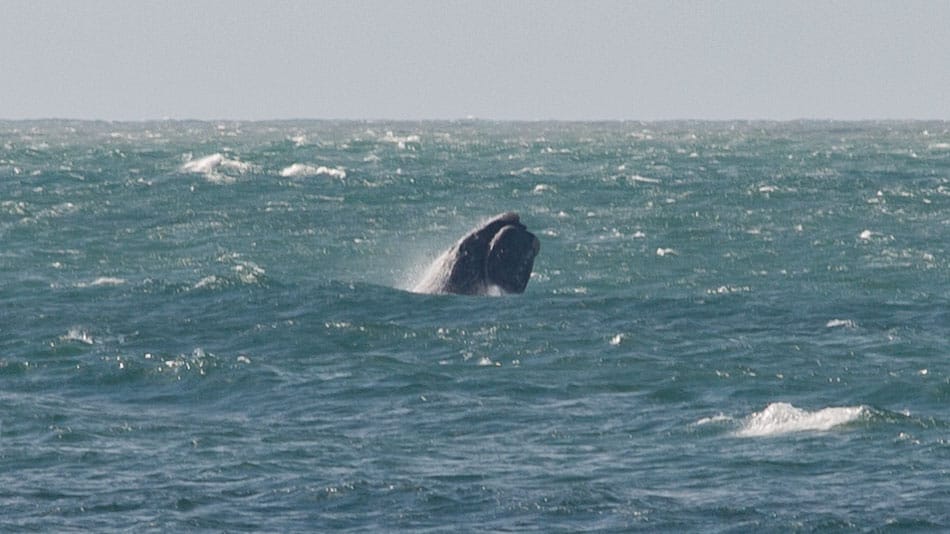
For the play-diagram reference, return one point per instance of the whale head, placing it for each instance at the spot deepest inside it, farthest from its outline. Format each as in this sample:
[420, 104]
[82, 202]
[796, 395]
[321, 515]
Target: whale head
[500, 253]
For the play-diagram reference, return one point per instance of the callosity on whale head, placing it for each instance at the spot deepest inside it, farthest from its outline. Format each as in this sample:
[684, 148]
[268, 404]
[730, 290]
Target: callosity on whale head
[500, 253]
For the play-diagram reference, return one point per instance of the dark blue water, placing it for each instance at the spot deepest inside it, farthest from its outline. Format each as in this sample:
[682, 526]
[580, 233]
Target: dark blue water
[730, 327]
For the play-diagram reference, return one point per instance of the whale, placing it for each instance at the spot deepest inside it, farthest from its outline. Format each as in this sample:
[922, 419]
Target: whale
[497, 256]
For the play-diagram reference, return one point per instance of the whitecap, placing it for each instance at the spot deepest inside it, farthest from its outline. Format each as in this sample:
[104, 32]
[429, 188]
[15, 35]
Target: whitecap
[10, 207]
[79, 335]
[209, 166]
[249, 272]
[839, 323]
[782, 418]
[298, 170]
[403, 142]
[208, 281]
[542, 188]
[199, 362]
[533, 171]
[719, 418]
[103, 281]
[59, 210]
[203, 165]
[644, 179]
[727, 290]
[485, 361]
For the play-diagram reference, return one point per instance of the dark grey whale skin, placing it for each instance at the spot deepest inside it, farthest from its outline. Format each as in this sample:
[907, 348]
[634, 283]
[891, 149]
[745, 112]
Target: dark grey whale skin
[499, 253]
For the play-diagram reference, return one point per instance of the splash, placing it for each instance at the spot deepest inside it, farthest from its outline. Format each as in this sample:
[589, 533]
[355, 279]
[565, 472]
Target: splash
[430, 275]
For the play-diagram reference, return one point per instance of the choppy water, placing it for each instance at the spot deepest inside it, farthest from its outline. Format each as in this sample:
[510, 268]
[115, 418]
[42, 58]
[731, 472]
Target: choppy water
[730, 327]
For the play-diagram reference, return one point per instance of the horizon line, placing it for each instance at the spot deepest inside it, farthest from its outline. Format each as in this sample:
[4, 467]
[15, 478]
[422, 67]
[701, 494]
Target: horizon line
[471, 118]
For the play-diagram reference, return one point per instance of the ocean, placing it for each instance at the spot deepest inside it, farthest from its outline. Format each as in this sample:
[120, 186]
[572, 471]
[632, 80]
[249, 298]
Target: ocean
[730, 327]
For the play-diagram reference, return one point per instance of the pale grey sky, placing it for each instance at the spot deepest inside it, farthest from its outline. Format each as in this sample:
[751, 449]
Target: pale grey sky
[134, 60]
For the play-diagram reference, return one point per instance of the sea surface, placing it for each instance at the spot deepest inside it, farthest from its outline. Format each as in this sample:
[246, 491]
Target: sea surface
[731, 327]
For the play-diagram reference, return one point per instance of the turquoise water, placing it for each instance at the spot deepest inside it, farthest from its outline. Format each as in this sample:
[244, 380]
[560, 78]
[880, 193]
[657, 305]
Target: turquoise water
[730, 327]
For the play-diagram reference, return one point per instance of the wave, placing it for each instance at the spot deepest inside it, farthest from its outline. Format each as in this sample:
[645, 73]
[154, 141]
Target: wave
[298, 170]
[782, 418]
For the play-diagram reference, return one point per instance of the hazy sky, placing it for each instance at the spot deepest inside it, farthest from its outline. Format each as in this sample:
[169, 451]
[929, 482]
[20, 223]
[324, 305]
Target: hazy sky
[507, 59]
